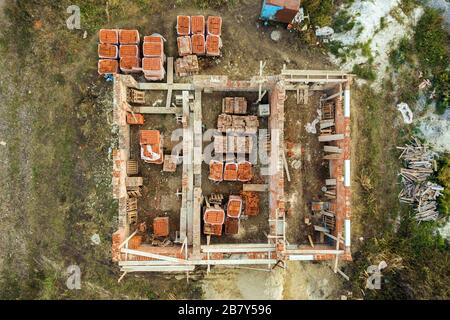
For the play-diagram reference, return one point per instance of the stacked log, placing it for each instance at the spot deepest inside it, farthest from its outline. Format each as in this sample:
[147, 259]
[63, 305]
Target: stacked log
[419, 164]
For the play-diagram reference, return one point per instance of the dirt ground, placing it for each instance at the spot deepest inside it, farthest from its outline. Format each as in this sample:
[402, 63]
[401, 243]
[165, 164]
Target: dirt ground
[56, 165]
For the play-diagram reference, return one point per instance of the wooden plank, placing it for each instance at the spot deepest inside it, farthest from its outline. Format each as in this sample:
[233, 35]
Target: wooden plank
[255, 187]
[313, 251]
[196, 241]
[152, 255]
[314, 72]
[158, 268]
[165, 86]
[158, 110]
[332, 149]
[238, 245]
[198, 262]
[330, 182]
[169, 81]
[333, 156]
[238, 250]
[331, 137]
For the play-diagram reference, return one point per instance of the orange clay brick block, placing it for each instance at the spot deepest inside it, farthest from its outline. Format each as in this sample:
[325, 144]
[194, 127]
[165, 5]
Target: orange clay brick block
[109, 36]
[135, 118]
[152, 64]
[198, 25]
[183, 25]
[152, 49]
[214, 216]
[198, 44]
[161, 226]
[108, 66]
[212, 45]
[129, 37]
[184, 46]
[234, 207]
[129, 50]
[107, 51]
[127, 64]
[155, 38]
[230, 173]
[215, 25]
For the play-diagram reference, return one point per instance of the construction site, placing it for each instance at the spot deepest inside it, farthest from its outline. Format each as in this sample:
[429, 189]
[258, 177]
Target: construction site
[203, 167]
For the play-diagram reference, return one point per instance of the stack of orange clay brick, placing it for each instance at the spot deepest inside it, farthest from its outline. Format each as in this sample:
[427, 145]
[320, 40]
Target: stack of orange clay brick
[153, 61]
[118, 44]
[191, 35]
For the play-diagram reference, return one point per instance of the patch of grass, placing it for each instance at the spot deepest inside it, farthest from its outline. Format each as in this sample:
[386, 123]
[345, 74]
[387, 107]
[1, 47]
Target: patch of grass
[215, 4]
[343, 22]
[443, 178]
[320, 11]
[364, 71]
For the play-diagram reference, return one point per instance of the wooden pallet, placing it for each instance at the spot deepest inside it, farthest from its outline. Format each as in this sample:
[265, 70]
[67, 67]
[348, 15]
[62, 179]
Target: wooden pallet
[132, 167]
[136, 96]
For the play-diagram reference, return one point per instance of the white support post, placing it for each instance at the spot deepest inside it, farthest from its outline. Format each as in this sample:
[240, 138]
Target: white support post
[347, 103]
[347, 173]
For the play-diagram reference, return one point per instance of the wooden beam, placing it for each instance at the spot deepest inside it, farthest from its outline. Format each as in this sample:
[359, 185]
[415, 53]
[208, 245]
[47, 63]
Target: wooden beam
[158, 268]
[127, 239]
[331, 137]
[165, 86]
[169, 81]
[158, 110]
[255, 187]
[153, 255]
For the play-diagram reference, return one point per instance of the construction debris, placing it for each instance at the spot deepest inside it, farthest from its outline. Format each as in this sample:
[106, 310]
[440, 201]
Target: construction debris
[251, 203]
[419, 162]
[187, 66]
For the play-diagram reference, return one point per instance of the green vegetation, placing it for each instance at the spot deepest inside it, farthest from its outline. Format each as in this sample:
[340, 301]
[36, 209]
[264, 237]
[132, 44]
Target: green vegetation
[56, 164]
[320, 11]
[364, 71]
[343, 22]
[430, 53]
[443, 178]
[416, 256]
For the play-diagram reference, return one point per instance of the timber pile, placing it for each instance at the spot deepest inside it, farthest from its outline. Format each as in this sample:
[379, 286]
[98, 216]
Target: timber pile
[419, 163]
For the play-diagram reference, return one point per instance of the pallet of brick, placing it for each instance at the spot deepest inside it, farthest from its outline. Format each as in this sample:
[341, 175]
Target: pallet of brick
[170, 163]
[108, 66]
[251, 203]
[220, 144]
[230, 171]
[231, 226]
[107, 51]
[135, 118]
[184, 46]
[213, 45]
[198, 25]
[224, 122]
[129, 50]
[245, 171]
[161, 226]
[153, 68]
[153, 48]
[108, 36]
[214, 25]
[251, 124]
[183, 25]
[130, 64]
[244, 145]
[198, 44]
[187, 66]
[129, 37]
[234, 105]
[216, 170]
[135, 242]
[239, 124]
